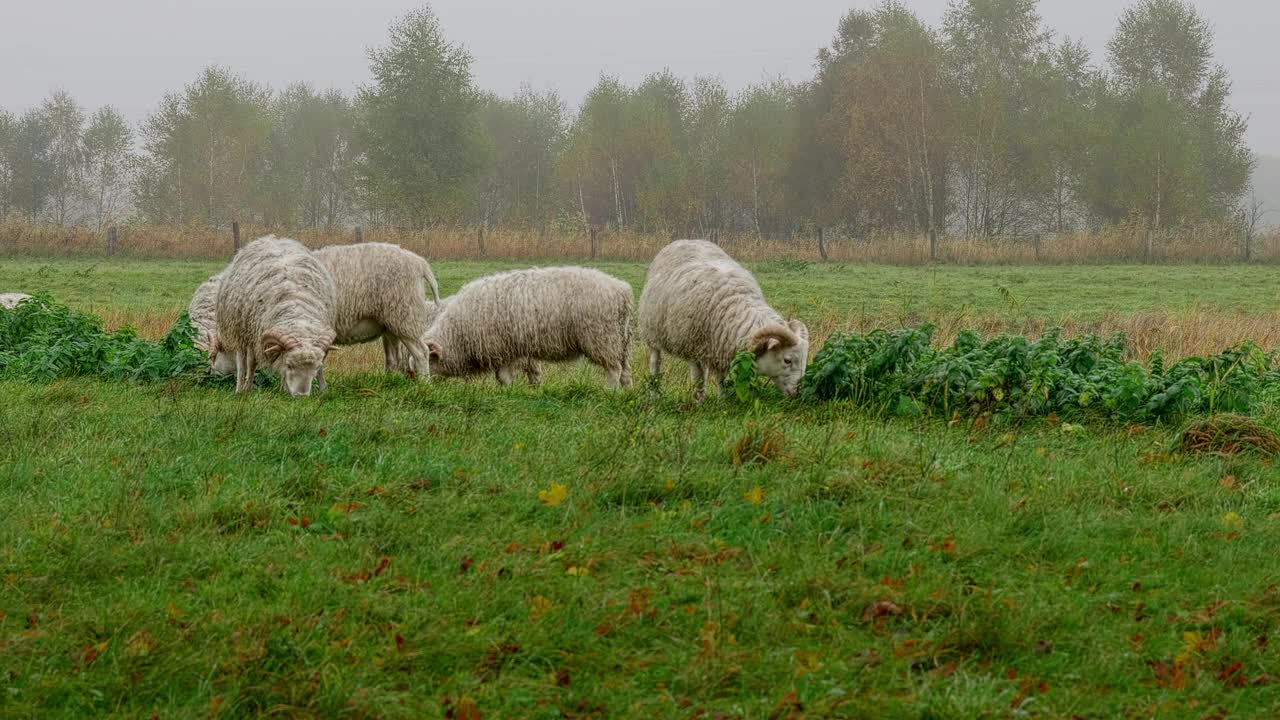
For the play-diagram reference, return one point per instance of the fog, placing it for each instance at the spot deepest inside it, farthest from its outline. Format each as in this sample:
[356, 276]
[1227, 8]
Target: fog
[128, 53]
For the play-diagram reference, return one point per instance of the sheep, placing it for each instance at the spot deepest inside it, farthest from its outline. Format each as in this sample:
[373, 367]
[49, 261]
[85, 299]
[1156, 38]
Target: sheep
[276, 306]
[700, 305]
[204, 316]
[380, 293]
[10, 301]
[506, 322]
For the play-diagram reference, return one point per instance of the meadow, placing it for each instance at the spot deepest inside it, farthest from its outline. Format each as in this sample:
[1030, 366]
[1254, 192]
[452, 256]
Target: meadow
[394, 549]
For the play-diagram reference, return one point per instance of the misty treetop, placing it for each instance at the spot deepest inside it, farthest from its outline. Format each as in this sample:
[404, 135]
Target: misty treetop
[986, 126]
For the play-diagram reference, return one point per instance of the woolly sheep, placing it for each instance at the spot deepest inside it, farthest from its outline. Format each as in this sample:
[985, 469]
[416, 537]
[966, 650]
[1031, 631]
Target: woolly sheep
[399, 359]
[276, 306]
[204, 316]
[10, 301]
[380, 292]
[701, 306]
[508, 321]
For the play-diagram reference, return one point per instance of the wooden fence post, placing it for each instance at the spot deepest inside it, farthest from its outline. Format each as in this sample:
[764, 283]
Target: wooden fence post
[359, 235]
[933, 244]
[1036, 241]
[822, 244]
[480, 239]
[113, 241]
[235, 235]
[595, 243]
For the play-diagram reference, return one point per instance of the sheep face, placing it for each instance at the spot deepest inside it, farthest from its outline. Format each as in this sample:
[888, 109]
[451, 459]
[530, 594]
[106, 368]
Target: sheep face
[298, 369]
[222, 363]
[781, 354]
[297, 364]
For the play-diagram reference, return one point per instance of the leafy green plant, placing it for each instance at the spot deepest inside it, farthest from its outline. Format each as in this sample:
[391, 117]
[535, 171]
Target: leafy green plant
[1011, 377]
[748, 386]
[41, 340]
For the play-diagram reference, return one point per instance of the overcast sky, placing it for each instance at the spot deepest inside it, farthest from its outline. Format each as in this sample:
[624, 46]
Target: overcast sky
[130, 52]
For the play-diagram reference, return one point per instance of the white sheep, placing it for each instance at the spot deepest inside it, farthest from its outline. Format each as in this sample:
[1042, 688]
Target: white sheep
[276, 306]
[381, 293]
[700, 305]
[10, 301]
[203, 312]
[506, 322]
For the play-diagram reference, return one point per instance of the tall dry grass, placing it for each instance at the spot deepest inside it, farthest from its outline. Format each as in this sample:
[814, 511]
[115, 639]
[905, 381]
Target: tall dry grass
[1121, 243]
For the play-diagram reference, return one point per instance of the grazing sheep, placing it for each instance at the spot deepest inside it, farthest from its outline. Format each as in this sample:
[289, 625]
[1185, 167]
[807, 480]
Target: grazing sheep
[701, 306]
[10, 301]
[203, 312]
[381, 293]
[506, 322]
[276, 306]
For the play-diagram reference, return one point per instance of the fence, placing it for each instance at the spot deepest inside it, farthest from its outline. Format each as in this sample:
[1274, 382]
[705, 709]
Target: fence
[1122, 243]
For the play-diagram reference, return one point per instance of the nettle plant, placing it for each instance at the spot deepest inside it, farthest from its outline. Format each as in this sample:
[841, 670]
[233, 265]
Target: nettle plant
[41, 341]
[1010, 377]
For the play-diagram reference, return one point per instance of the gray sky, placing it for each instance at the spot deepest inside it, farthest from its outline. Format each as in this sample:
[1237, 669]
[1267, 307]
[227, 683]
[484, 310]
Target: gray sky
[130, 52]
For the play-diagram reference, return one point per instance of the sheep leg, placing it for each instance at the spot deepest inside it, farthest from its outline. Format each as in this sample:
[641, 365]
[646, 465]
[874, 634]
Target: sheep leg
[626, 373]
[321, 385]
[613, 376]
[655, 362]
[533, 371]
[414, 356]
[697, 375]
[244, 371]
[505, 375]
[391, 352]
[716, 381]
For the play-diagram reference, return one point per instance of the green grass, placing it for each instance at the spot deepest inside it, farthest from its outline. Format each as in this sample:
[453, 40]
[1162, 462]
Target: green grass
[384, 550]
[806, 289]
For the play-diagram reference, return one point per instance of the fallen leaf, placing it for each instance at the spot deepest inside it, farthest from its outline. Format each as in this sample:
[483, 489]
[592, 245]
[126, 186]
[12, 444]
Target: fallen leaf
[539, 607]
[755, 495]
[554, 495]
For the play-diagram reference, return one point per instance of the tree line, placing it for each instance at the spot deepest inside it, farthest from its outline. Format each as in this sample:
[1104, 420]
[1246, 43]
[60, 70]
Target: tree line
[986, 126]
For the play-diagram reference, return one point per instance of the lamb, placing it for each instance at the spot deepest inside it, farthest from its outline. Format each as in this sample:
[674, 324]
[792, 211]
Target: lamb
[276, 306]
[10, 301]
[380, 294]
[204, 316]
[506, 322]
[700, 305]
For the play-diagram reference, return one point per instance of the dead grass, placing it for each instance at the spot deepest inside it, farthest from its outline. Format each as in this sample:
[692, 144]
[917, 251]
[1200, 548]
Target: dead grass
[1121, 243]
[1228, 435]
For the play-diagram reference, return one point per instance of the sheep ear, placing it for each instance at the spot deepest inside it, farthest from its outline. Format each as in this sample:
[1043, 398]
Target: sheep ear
[800, 329]
[772, 337]
[434, 350]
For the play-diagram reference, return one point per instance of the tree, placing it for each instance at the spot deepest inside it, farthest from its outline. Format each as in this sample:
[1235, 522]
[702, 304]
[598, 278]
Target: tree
[205, 152]
[592, 167]
[28, 159]
[993, 48]
[1178, 151]
[708, 130]
[522, 139]
[108, 165]
[420, 131]
[759, 128]
[310, 156]
[8, 133]
[64, 121]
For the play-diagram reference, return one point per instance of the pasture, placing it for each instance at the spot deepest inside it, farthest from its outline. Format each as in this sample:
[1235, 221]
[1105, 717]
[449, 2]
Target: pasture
[392, 549]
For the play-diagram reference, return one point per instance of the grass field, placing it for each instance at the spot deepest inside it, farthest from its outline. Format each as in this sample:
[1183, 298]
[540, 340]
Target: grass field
[392, 549]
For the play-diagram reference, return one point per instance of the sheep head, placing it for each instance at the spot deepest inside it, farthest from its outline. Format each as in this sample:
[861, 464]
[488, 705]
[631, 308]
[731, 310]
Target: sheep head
[781, 354]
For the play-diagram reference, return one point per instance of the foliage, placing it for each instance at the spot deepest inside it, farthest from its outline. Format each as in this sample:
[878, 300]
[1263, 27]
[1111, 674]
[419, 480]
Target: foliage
[41, 340]
[1011, 377]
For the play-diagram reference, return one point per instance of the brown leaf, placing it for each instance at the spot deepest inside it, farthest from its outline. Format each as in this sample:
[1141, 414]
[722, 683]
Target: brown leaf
[466, 563]
[383, 564]
[880, 609]
[789, 708]
[1169, 674]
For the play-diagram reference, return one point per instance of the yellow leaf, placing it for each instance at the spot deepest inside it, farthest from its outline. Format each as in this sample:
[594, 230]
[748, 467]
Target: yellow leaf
[553, 495]
[577, 571]
[1233, 520]
[538, 607]
[755, 495]
[807, 662]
